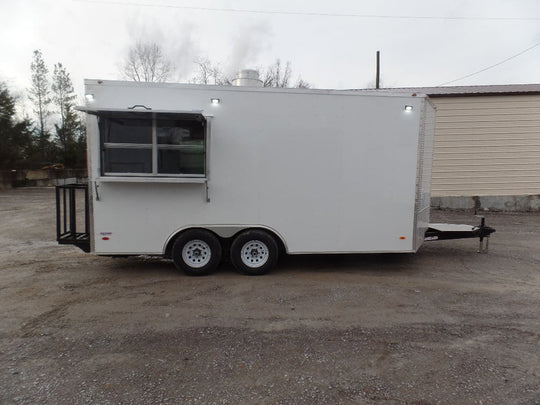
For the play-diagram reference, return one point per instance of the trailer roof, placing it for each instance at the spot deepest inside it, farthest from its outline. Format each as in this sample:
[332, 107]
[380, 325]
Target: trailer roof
[440, 91]
[345, 92]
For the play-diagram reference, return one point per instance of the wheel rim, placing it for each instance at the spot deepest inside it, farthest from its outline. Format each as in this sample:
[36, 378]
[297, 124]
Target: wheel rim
[254, 254]
[196, 253]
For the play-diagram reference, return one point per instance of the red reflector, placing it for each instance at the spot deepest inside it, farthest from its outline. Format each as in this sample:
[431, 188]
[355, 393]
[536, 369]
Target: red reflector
[402, 237]
[105, 238]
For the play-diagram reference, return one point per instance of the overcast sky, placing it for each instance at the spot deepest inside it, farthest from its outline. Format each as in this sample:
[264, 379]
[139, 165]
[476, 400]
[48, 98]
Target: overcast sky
[331, 44]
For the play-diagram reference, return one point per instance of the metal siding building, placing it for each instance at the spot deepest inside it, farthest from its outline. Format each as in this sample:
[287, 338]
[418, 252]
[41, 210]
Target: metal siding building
[487, 144]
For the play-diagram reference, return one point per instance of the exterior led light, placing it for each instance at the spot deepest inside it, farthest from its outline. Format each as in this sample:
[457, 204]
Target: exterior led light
[215, 100]
[408, 108]
[89, 97]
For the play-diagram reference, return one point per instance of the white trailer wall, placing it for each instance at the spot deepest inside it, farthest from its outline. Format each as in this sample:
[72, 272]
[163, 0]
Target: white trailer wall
[328, 171]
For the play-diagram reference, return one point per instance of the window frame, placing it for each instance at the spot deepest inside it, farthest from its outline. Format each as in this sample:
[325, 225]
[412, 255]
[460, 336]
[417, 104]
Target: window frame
[154, 146]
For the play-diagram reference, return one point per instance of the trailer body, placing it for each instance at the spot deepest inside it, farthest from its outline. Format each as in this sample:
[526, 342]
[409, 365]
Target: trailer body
[325, 171]
[312, 171]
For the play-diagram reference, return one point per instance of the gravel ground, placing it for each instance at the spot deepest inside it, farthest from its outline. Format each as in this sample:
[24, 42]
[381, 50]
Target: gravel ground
[443, 326]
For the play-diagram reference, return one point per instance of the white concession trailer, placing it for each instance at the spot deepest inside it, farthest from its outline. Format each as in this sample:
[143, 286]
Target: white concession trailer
[199, 172]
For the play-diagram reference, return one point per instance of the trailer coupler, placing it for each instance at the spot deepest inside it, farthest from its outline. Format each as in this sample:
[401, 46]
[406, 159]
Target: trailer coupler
[454, 231]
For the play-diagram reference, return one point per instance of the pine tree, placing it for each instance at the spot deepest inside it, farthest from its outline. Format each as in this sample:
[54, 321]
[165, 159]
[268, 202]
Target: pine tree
[72, 139]
[70, 126]
[63, 93]
[15, 136]
[39, 94]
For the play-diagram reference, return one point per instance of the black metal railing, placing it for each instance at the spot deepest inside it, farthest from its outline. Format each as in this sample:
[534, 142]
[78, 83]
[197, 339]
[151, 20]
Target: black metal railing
[71, 229]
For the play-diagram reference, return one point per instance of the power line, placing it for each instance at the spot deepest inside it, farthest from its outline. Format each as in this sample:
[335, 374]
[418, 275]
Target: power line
[313, 14]
[492, 66]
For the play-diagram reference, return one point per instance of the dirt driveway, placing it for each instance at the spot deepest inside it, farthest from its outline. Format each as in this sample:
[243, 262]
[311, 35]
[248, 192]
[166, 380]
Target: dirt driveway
[443, 326]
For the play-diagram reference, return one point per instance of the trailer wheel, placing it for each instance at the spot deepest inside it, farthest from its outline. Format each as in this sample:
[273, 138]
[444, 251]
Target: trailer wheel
[197, 252]
[254, 252]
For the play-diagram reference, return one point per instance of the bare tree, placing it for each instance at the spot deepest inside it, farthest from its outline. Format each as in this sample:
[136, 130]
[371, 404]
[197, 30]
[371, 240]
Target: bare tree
[277, 75]
[302, 84]
[146, 62]
[209, 73]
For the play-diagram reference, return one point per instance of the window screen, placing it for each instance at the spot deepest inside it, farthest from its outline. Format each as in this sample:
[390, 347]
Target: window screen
[129, 130]
[180, 146]
[120, 160]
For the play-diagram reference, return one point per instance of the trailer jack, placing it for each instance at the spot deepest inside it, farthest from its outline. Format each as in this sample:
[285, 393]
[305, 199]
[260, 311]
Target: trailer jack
[454, 231]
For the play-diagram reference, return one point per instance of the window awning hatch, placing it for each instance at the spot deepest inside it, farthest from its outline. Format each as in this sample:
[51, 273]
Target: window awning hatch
[197, 115]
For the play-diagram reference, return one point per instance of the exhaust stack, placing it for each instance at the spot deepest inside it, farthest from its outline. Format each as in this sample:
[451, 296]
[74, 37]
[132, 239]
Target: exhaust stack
[247, 77]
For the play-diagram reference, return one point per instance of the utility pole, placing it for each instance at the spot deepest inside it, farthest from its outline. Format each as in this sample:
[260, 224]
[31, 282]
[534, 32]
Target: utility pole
[378, 74]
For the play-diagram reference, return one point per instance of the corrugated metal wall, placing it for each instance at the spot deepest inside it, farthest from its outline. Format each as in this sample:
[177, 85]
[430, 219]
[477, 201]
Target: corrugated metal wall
[487, 146]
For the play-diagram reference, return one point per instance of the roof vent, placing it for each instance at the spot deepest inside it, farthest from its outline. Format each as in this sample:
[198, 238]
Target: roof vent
[247, 77]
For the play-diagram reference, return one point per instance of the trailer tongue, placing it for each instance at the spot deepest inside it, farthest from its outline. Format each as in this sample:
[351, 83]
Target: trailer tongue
[455, 231]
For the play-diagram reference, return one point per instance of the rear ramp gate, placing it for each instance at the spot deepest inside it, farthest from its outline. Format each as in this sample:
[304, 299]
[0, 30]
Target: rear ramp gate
[72, 216]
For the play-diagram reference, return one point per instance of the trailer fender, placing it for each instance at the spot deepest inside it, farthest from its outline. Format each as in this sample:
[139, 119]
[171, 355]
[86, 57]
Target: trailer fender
[224, 232]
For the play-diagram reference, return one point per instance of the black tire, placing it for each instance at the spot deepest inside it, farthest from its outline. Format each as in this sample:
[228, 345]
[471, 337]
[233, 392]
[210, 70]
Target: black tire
[197, 252]
[263, 256]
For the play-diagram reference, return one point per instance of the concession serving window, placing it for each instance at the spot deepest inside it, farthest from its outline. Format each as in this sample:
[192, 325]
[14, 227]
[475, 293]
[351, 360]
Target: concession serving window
[152, 144]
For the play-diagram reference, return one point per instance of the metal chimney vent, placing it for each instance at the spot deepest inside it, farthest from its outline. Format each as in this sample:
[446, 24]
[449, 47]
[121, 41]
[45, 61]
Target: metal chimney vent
[247, 77]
